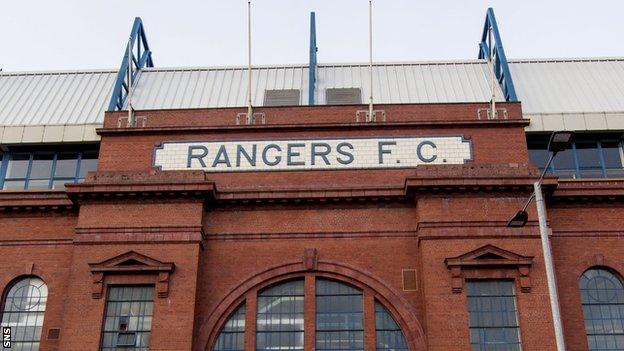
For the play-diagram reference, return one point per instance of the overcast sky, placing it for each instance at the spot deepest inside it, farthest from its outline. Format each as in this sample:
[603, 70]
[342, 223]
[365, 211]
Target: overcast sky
[80, 34]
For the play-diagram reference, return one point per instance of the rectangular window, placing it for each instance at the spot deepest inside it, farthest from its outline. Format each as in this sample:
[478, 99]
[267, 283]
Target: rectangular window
[492, 315]
[128, 319]
[589, 156]
[42, 170]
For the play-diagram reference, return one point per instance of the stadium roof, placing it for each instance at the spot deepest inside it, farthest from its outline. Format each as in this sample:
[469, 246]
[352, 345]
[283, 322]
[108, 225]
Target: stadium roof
[578, 94]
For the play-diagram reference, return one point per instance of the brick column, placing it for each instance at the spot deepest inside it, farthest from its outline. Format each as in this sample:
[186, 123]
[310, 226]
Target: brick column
[251, 308]
[310, 313]
[369, 321]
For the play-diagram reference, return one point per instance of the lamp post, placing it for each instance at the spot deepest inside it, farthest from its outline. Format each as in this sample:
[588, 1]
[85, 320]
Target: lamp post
[559, 141]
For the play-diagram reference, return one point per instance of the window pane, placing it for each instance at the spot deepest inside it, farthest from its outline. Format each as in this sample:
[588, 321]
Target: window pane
[66, 165]
[41, 166]
[87, 163]
[38, 184]
[339, 316]
[564, 164]
[280, 317]
[492, 315]
[232, 335]
[602, 298]
[612, 154]
[128, 320]
[14, 184]
[24, 309]
[588, 159]
[18, 165]
[389, 335]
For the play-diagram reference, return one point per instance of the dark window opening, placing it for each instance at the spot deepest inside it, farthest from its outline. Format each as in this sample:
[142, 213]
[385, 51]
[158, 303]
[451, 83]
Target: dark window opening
[492, 315]
[589, 156]
[23, 169]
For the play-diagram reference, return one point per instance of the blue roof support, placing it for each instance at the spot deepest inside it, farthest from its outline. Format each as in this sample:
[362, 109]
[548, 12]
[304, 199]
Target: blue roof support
[141, 57]
[312, 66]
[501, 68]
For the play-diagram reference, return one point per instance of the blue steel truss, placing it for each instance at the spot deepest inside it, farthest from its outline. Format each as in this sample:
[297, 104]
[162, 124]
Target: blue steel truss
[141, 57]
[501, 68]
[312, 66]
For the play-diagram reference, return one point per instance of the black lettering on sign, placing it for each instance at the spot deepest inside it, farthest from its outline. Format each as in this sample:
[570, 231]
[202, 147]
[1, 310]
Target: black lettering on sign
[192, 154]
[291, 153]
[419, 151]
[221, 158]
[347, 154]
[382, 150]
[241, 151]
[314, 152]
[265, 151]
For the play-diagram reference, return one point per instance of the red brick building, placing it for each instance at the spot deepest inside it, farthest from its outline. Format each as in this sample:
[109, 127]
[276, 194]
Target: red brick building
[308, 227]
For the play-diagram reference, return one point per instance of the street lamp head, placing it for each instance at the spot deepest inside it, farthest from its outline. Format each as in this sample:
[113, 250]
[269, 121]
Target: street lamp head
[518, 220]
[559, 141]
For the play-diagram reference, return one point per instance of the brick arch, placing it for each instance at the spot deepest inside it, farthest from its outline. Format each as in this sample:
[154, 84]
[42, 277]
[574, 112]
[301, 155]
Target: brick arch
[396, 305]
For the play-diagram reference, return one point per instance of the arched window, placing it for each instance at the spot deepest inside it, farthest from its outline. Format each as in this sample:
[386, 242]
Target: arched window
[389, 334]
[339, 317]
[232, 335]
[279, 324]
[301, 313]
[24, 308]
[602, 297]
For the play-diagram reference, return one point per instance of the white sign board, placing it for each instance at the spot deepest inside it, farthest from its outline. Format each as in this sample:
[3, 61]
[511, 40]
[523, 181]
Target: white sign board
[312, 154]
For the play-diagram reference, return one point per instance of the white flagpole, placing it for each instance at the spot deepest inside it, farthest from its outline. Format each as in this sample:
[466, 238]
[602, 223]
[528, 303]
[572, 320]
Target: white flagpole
[249, 107]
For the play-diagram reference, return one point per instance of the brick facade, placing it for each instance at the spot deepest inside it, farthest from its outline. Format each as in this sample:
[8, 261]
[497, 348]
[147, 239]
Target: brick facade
[229, 234]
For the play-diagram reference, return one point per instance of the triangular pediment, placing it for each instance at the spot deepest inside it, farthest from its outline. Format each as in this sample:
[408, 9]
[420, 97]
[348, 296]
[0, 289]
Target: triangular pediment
[129, 262]
[489, 255]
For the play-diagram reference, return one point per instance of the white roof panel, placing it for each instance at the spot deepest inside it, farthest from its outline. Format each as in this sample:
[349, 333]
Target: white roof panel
[591, 88]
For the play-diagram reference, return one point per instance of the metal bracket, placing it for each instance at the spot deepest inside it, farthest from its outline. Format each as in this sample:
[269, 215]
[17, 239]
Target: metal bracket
[244, 118]
[501, 67]
[488, 113]
[139, 121]
[141, 56]
[364, 116]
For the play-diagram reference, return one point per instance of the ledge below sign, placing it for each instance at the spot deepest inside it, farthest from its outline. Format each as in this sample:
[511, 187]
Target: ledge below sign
[312, 154]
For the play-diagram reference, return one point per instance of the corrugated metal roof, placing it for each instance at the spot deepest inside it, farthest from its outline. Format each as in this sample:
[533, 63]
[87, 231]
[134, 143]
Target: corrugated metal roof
[54, 98]
[569, 86]
[591, 88]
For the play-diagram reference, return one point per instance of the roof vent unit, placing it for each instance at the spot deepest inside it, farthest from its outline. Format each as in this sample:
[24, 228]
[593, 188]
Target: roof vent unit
[282, 97]
[343, 96]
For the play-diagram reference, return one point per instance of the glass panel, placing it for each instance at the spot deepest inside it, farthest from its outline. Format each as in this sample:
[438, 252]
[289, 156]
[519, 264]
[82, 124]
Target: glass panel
[41, 166]
[389, 335]
[18, 165]
[24, 308]
[128, 320]
[14, 184]
[339, 316]
[87, 163]
[66, 165]
[602, 298]
[38, 184]
[280, 317]
[232, 335]
[588, 159]
[492, 315]
[564, 164]
[612, 154]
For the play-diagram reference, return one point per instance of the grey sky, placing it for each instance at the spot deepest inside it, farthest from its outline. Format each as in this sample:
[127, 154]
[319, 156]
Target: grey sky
[79, 34]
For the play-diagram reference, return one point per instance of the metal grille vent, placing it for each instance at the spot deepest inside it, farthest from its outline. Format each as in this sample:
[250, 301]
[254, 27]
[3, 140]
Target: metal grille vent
[343, 96]
[283, 97]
